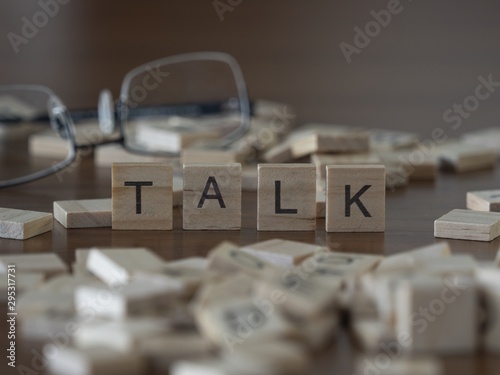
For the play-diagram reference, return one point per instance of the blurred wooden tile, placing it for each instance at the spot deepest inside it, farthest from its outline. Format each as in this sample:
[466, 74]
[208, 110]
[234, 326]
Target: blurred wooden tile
[489, 288]
[437, 315]
[415, 164]
[398, 366]
[462, 157]
[95, 361]
[249, 178]
[212, 197]
[484, 200]
[208, 153]
[322, 160]
[227, 258]
[286, 197]
[381, 139]
[124, 336]
[281, 253]
[239, 321]
[118, 265]
[345, 265]
[487, 138]
[49, 264]
[355, 198]
[140, 297]
[106, 155]
[468, 225]
[162, 351]
[22, 281]
[23, 224]
[320, 203]
[414, 258]
[90, 213]
[333, 140]
[142, 196]
[177, 191]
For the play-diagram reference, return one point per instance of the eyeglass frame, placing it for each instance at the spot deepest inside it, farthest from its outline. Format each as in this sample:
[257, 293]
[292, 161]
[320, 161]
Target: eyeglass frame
[110, 118]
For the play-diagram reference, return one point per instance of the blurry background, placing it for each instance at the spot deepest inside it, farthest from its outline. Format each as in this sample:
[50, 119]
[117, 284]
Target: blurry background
[427, 58]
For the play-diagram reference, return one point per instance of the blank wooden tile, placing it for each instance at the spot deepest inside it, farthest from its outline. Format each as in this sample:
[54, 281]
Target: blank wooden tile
[286, 198]
[249, 177]
[90, 213]
[488, 138]
[414, 258]
[282, 253]
[142, 196]
[36, 303]
[381, 139]
[177, 191]
[161, 351]
[345, 265]
[119, 265]
[462, 157]
[484, 200]
[106, 155]
[320, 203]
[322, 160]
[95, 361]
[206, 152]
[23, 224]
[489, 287]
[468, 225]
[437, 316]
[416, 164]
[140, 297]
[281, 153]
[212, 196]
[218, 366]
[329, 139]
[355, 198]
[49, 264]
[379, 364]
[121, 335]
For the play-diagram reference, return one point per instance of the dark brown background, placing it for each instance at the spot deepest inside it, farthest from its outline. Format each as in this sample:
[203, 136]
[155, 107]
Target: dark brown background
[426, 59]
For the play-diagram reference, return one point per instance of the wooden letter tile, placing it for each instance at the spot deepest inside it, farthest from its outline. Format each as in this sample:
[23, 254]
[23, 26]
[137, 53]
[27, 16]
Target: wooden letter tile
[286, 197]
[91, 213]
[142, 196]
[355, 198]
[485, 200]
[212, 196]
[468, 225]
[22, 224]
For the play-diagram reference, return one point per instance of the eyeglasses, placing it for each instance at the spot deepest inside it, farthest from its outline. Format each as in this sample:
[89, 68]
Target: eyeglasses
[192, 96]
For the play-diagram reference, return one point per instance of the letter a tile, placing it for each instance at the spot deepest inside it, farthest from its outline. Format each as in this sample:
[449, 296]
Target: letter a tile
[286, 197]
[355, 198]
[212, 196]
[142, 196]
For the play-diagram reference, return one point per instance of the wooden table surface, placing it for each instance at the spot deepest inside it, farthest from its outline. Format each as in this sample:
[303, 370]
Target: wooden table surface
[428, 58]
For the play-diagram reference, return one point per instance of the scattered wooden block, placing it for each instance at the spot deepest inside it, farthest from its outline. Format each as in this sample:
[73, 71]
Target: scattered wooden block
[177, 191]
[249, 178]
[344, 265]
[162, 351]
[219, 366]
[394, 178]
[355, 198]
[239, 321]
[329, 139]
[284, 357]
[212, 197]
[227, 258]
[210, 153]
[485, 200]
[281, 153]
[140, 297]
[142, 196]
[107, 155]
[95, 361]
[282, 253]
[322, 160]
[387, 365]
[49, 264]
[91, 213]
[415, 164]
[488, 284]
[468, 225]
[462, 157]
[415, 258]
[320, 203]
[173, 135]
[123, 336]
[456, 265]
[40, 325]
[381, 139]
[487, 138]
[286, 197]
[118, 265]
[35, 303]
[22, 224]
[319, 333]
[187, 273]
[437, 315]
